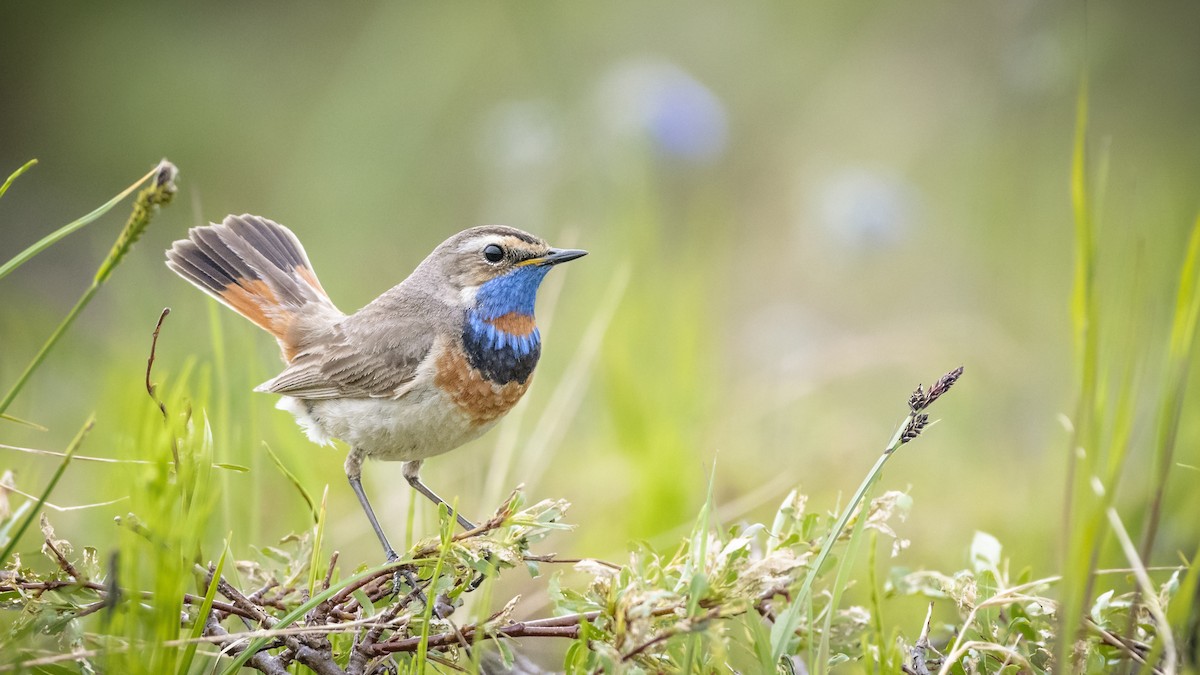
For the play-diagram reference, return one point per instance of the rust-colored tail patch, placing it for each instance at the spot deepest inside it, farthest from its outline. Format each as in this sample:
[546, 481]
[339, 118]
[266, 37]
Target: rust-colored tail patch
[257, 268]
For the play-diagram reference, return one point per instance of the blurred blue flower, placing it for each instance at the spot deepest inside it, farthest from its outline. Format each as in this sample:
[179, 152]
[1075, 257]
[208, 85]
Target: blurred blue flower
[864, 208]
[658, 100]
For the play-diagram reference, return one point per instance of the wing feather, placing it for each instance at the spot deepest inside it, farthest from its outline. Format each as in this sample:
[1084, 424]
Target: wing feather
[375, 353]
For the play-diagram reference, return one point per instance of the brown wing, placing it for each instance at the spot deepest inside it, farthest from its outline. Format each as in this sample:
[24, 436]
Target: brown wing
[376, 353]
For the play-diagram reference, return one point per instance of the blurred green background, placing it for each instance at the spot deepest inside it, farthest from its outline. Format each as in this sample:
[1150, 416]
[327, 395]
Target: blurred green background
[795, 212]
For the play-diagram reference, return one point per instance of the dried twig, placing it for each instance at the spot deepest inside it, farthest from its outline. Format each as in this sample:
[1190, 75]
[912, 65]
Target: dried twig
[151, 388]
[63, 563]
[919, 665]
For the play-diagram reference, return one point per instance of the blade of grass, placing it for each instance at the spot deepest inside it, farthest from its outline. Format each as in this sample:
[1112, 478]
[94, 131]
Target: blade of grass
[106, 460]
[24, 423]
[312, 508]
[783, 632]
[16, 174]
[65, 509]
[159, 193]
[697, 564]
[50, 239]
[886, 663]
[1084, 320]
[62, 467]
[1170, 407]
[189, 652]
[318, 538]
[1179, 360]
[843, 577]
[447, 536]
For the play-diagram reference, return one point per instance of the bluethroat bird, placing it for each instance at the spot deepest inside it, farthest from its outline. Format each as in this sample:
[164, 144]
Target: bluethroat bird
[429, 365]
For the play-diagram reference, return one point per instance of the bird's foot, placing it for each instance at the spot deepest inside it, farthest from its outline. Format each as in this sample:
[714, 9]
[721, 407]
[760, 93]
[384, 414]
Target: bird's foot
[404, 574]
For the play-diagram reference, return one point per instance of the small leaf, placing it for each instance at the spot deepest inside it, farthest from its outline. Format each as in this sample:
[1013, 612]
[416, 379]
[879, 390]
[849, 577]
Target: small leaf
[1024, 627]
[985, 552]
[232, 467]
[1101, 606]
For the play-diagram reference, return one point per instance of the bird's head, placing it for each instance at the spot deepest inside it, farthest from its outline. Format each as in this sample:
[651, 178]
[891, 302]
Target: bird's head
[496, 270]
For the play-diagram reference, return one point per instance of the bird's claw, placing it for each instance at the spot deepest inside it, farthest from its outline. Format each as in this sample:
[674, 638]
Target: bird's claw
[403, 574]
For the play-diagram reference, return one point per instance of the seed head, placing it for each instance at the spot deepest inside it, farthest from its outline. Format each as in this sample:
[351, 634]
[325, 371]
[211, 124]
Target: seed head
[922, 399]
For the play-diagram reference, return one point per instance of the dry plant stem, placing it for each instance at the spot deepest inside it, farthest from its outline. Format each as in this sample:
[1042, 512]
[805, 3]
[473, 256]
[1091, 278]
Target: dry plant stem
[261, 661]
[1135, 651]
[669, 633]
[362, 651]
[151, 388]
[553, 559]
[240, 601]
[536, 628]
[342, 605]
[9, 585]
[917, 653]
[567, 626]
[63, 563]
[329, 571]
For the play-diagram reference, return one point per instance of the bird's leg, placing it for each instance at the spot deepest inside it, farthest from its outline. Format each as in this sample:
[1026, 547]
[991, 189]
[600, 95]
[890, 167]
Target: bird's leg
[354, 475]
[411, 469]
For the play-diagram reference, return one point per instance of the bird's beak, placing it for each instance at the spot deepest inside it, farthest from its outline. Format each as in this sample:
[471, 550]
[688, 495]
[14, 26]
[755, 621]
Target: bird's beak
[555, 256]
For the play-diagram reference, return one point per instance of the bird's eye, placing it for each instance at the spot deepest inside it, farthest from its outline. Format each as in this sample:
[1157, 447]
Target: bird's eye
[493, 253]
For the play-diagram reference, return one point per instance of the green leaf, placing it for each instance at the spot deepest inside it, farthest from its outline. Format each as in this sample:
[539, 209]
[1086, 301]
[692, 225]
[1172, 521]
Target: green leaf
[189, 653]
[367, 605]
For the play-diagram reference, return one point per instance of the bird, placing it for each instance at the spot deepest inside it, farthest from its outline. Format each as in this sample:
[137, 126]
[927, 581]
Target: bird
[432, 363]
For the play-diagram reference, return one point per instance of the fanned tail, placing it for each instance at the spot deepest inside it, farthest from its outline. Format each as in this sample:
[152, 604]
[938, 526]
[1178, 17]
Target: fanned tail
[257, 268]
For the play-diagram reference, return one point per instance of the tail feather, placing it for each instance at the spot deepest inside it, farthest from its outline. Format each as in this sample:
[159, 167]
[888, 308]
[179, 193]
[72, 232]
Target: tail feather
[260, 270]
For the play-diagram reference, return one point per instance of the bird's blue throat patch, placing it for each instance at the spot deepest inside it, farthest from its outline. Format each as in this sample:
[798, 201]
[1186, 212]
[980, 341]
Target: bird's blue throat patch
[500, 337]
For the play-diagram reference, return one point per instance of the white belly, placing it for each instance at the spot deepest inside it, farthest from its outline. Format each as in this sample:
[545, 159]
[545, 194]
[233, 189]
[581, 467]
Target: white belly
[421, 424]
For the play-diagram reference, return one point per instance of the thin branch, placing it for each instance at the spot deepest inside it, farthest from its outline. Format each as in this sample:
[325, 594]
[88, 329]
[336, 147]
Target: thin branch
[150, 387]
[558, 626]
[261, 661]
[10, 585]
[63, 563]
[917, 653]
